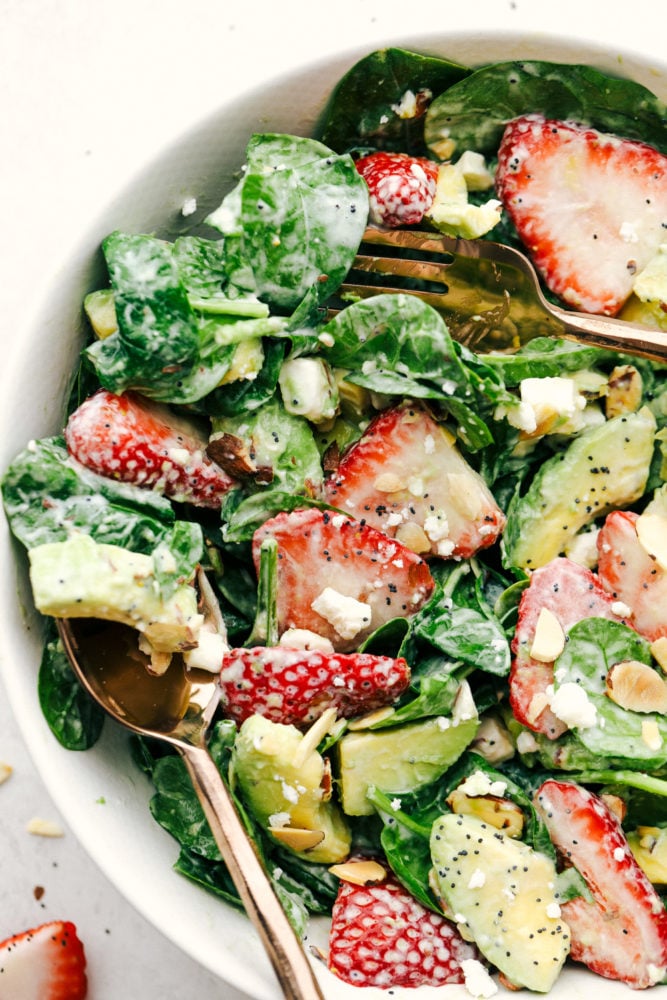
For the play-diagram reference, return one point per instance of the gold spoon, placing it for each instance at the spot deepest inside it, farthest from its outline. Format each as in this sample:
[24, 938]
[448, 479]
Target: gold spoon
[178, 707]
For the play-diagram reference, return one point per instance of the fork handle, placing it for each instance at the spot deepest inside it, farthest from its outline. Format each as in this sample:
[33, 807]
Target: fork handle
[288, 958]
[614, 334]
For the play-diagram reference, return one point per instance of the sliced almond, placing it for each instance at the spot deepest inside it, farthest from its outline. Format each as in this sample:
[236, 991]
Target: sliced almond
[651, 735]
[659, 651]
[314, 736]
[365, 721]
[296, 838]
[549, 638]
[637, 687]
[389, 482]
[5, 772]
[538, 703]
[360, 872]
[652, 535]
[615, 804]
[624, 392]
[502, 813]
[44, 827]
[413, 537]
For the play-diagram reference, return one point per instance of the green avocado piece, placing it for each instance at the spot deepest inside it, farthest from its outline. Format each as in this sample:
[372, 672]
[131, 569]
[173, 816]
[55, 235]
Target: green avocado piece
[604, 468]
[502, 893]
[398, 759]
[283, 782]
[82, 578]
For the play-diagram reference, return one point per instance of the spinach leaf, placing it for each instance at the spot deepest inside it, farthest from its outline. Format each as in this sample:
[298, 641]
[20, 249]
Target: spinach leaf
[594, 645]
[366, 109]
[457, 623]
[397, 344]
[545, 357]
[293, 222]
[473, 113]
[47, 496]
[72, 716]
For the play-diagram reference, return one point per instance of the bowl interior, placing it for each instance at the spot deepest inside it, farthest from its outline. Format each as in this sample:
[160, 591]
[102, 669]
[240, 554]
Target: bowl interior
[125, 842]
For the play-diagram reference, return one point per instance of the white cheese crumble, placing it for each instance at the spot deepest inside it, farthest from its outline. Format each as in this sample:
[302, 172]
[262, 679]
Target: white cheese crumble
[478, 982]
[477, 879]
[479, 783]
[571, 705]
[303, 638]
[621, 609]
[208, 653]
[347, 615]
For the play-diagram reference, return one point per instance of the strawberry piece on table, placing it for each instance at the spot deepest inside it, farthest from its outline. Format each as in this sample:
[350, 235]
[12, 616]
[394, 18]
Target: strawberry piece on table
[406, 477]
[570, 592]
[381, 936]
[46, 963]
[133, 439]
[294, 686]
[356, 577]
[401, 187]
[590, 208]
[622, 933]
[629, 574]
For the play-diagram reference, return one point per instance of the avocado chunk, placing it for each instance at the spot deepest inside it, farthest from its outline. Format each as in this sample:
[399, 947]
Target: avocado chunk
[502, 892]
[605, 467]
[283, 781]
[81, 578]
[398, 759]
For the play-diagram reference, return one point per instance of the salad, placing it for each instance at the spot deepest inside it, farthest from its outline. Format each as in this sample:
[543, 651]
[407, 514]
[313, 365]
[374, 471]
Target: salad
[438, 575]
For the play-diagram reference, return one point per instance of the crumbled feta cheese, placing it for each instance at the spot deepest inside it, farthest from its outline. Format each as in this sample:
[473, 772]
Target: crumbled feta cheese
[303, 638]
[478, 982]
[189, 207]
[347, 615]
[573, 707]
[526, 742]
[621, 609]
[479, 783]
[477, 879]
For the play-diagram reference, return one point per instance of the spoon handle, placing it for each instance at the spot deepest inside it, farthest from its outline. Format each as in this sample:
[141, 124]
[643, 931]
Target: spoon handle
[284, 949]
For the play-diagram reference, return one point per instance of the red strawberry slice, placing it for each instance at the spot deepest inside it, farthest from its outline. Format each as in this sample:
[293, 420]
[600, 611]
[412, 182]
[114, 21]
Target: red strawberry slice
[357, 577]
[591, 208]
[406, 477]
[571, 592]
[46, 963]
[294, 686]
[630, 575]
[401, 187]
[381, 936]
[130, 438]
[622, 934]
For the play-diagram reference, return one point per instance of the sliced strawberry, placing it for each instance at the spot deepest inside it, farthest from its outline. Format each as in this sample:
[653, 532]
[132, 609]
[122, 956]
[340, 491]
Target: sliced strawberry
[591, 208]
[622, 933]
[329, 559]
[571, 592]
[138, 441]
[381, 936]
[46, 963]
[629, 574]
[294, 686]
[401, 187]
[406, 477]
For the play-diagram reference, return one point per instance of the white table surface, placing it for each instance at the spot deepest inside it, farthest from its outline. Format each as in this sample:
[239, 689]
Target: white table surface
[75, 75]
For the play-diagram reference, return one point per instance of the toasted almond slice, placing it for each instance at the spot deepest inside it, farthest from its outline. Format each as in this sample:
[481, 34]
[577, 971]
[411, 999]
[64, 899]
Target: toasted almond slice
[659, 651]
[364, 721]
[360, 872]
[549, 638]
[413, 537]
[296, 838]
[389, 482]
[624, 392]
[651, 734]
[637, 687]
[314, 736]
[44, 827]
[615, 804]
[5, 772]
[538, 703]
[652, 535]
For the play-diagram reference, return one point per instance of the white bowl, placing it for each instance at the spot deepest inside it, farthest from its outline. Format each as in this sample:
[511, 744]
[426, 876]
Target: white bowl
[133, 851]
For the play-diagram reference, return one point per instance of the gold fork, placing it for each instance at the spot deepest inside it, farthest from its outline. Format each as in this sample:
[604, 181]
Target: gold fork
[488, 293]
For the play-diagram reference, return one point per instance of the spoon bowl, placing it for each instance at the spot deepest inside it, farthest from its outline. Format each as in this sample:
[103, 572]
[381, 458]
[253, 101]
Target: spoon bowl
[177, 707]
